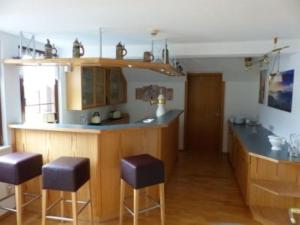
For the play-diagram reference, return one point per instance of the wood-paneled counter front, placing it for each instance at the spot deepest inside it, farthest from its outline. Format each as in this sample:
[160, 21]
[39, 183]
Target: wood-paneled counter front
[104, 146]
[269, 180]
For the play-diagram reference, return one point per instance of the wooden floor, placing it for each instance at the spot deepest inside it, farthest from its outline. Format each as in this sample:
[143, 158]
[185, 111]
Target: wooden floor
[202, 191]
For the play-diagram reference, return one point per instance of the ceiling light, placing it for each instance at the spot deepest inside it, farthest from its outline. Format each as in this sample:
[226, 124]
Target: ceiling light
[129, 65]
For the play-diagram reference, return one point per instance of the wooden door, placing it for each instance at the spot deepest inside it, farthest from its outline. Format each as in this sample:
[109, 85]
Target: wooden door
[204, 112]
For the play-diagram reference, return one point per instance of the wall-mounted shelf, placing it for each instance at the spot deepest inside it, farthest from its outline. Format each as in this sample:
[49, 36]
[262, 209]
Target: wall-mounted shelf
[279, 188]
[166, 69]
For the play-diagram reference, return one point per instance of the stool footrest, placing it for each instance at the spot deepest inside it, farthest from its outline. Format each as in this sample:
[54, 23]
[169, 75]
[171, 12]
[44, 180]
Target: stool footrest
[154, 206]
[83, 203]
[32, 196]
[142, 210]
[60, 218]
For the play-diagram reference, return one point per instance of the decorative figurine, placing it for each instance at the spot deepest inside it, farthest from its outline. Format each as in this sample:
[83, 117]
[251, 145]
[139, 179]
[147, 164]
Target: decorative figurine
[49, 50]
[161, 110]
[120, 51]
[77, 46]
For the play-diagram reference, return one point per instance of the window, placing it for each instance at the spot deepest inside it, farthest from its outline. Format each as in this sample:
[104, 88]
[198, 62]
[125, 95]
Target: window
[39, 94]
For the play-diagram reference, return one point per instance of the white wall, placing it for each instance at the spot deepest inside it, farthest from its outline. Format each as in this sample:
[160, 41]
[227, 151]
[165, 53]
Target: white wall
[285, 123]
[241, 87]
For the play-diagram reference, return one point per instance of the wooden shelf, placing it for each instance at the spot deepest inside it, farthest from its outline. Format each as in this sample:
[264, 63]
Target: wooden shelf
[272, 216]
[166, 69]
[279, 188]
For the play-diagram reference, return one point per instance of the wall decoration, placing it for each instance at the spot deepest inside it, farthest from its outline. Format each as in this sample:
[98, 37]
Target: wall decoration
[151, 92]
[262, 86]
[281, 91]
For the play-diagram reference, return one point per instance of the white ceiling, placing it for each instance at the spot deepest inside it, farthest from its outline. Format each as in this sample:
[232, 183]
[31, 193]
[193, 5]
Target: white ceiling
[189, 21]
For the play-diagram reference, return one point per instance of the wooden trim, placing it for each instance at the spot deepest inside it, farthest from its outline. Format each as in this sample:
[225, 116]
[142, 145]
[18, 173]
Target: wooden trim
[222, 115]
[185, 114]
[56, 99]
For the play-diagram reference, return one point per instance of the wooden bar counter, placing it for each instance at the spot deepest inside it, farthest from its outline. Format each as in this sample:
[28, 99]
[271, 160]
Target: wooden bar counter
[104, 146]
[269, 180]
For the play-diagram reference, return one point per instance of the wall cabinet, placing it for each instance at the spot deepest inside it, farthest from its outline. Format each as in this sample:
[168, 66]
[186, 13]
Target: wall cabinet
[93, 86]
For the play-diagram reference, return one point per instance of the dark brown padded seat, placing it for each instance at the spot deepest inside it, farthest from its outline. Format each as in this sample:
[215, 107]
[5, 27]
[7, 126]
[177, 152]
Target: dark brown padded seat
[66, 173]
[142, 171]
[17, 168]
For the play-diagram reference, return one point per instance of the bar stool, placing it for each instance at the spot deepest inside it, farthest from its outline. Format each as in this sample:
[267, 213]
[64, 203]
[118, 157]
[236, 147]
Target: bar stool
[139, 172]
[66, 174]
[16, 169]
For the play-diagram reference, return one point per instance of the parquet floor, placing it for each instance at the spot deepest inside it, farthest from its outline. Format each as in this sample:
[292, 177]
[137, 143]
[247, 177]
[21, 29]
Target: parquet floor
[202, 191]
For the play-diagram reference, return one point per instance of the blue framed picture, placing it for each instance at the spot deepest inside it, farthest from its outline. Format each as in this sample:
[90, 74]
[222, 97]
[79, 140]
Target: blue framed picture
[281, 91]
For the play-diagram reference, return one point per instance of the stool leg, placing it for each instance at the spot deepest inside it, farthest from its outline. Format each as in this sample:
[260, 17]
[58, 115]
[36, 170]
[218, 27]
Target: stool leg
[62, 206]
[44, 206]
[91, 204]
[74, 208]
[162, 203]
[122, 196]
[147, 190]
[19, 203]
[136, 199]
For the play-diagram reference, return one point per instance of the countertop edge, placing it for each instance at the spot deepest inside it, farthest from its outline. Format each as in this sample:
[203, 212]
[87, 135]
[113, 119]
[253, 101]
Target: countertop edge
[168, 118]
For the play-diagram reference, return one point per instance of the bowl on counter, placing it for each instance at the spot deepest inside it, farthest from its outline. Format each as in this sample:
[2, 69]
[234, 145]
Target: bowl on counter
[276, 142]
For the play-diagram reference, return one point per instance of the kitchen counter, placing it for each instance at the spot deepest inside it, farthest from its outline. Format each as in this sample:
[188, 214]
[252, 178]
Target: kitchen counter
[255, 140]
[162, 121]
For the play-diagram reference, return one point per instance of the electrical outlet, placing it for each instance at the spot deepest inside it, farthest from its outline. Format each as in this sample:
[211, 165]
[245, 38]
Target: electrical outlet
[9, 189]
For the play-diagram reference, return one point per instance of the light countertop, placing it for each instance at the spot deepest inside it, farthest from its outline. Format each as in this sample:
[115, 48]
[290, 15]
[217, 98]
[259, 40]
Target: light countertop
[162, 121]
[255, 141]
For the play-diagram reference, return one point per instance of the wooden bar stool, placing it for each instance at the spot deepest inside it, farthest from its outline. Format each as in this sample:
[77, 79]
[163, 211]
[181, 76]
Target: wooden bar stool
[142, 171]
[16, 169]
[66, 174]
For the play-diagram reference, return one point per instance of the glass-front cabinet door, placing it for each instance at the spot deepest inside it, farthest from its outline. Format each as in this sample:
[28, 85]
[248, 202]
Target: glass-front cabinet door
[117, 89]
[99, 86]
[87, 87]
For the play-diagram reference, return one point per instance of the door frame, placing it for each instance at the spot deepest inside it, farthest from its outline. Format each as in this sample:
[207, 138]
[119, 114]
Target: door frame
[221, 102]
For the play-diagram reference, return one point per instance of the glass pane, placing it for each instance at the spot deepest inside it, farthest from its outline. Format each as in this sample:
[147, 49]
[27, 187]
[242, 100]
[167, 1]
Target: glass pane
[39, 92]
[115, 85]
[87, 86]
[100, 85]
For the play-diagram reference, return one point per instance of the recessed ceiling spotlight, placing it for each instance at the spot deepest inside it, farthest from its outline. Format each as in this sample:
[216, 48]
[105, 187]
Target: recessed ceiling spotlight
[129, 65]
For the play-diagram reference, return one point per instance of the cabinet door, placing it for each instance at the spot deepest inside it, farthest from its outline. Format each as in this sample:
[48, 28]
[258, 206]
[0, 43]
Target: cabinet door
[87, 87]
[117, 86]
[99, 82]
